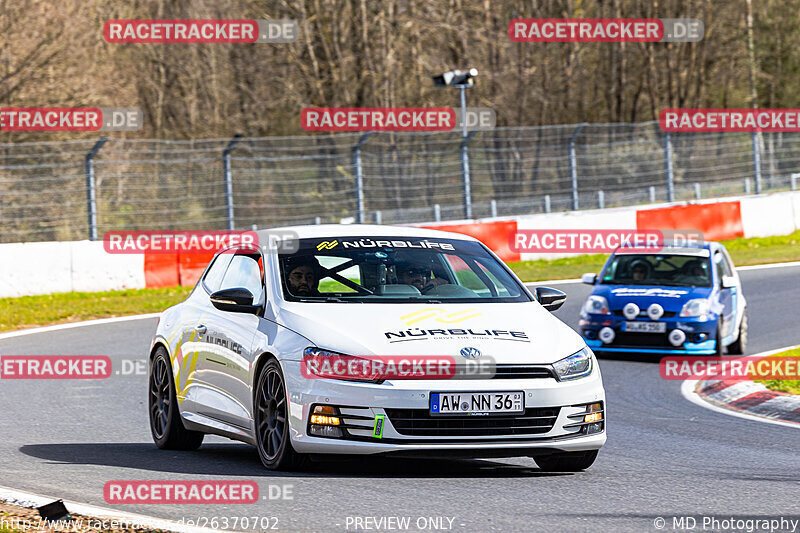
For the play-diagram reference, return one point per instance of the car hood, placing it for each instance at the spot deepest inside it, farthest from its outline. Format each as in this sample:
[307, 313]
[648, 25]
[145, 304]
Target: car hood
[670, 298]
[507, 332]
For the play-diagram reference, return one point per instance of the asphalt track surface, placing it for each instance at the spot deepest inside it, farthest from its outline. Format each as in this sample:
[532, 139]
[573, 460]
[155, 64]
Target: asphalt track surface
[665, 456]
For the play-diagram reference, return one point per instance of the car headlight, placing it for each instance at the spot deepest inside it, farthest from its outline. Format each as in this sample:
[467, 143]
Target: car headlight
[597, 305]
[577, 365]
[696, 307]
[318, 363]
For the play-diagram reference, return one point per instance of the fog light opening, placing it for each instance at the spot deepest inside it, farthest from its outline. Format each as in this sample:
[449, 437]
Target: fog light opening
[324, 422]
[607, 335]
[594, 428]
[676, 337]
[631, 310]
[325, 431]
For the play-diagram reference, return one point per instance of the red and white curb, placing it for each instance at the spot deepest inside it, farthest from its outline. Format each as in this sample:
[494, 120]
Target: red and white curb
[31, 500]
[746, 398]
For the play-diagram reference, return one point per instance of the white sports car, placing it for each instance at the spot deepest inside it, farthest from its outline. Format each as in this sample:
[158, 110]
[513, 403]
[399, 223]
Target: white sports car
[353, 339]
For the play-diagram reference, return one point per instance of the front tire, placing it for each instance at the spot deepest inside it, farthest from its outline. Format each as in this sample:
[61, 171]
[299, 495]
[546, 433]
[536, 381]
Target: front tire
[719, 350]
[566, 462]
[738, 346]
[166, 425]
[272, 421]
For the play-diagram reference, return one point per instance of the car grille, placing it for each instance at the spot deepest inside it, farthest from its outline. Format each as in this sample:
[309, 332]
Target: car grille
[522, 372]
[419, 422]
[641, 339]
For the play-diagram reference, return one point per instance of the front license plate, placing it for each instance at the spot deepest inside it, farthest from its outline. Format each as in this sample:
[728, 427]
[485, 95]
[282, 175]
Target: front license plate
[646, 327]
[476, 403]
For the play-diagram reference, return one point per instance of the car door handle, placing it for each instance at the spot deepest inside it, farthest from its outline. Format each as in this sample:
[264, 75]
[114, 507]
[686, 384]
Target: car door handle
[201, 329]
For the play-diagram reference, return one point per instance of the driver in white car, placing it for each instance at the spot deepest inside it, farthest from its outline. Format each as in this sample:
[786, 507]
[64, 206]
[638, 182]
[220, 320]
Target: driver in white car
[417, 274]
[303, 276]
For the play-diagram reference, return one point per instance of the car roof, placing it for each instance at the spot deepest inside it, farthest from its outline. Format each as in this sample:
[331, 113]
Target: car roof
[695, 252]
[701, 249]
[356, 230]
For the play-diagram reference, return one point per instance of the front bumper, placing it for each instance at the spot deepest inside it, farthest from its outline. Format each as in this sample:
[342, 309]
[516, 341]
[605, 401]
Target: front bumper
[700, 334]
[361, 403]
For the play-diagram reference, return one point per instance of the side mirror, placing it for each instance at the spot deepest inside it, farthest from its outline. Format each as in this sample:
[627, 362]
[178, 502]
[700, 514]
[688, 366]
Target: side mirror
[728, 282]
[236, 300]
[589, 278]
[551, 299]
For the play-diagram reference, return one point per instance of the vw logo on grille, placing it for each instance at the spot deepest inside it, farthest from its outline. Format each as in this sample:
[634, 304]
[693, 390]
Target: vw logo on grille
[470, 353]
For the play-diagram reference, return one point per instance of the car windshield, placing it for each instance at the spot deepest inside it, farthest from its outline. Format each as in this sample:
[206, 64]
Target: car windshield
[658, 269]
[395, 270]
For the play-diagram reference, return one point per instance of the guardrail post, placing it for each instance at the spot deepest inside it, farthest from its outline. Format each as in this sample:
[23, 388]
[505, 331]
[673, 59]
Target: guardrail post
[359, 172]
[668, 167]
[747, 185]
[91, 195]
[226, 169]
[378, 217]
[546, 203]
[493, 208]
[573, 166]
[437, 212]
[465, 173]
[756, 161]
[793, 178]
[697, 194]
[601, 199]
[652, 194]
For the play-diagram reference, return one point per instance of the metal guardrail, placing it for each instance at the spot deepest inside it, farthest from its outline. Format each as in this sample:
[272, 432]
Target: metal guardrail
[72, 190]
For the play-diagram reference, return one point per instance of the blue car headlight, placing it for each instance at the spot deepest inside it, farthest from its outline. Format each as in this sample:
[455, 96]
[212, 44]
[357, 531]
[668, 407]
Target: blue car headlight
[577, 365]
[696, 308]
[597, 305]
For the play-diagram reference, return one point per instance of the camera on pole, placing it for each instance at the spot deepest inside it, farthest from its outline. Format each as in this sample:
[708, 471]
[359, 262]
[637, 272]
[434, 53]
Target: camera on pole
[456, 78]
[461, 80]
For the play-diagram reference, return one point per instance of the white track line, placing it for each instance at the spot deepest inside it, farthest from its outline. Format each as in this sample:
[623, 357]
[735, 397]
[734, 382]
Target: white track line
[769, 265]
[30, 499]
[97, 322]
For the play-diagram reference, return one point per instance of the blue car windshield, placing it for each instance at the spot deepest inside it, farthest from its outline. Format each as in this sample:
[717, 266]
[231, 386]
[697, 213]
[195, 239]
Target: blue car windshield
[396, 270]
[658, 269]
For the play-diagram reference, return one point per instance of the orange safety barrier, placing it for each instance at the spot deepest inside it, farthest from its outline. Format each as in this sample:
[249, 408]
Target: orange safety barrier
[717, 221]
[191, 267]
[160, 270]
[496, 235]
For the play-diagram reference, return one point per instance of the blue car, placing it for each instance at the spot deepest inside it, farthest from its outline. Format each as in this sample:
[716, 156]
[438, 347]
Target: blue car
[683, 300]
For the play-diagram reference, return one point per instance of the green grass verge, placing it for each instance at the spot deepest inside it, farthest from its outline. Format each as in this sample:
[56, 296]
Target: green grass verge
[792, 386]
[29, 311]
